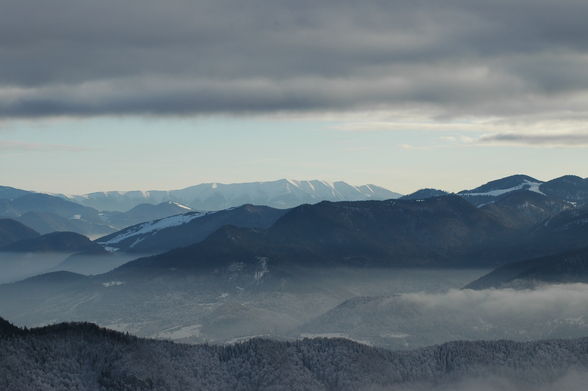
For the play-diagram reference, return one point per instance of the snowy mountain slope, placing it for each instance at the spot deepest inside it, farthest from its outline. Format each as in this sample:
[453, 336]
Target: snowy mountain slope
[186, 229]
[283, 193]
[568, 188]
[137, 232]
[489, 191]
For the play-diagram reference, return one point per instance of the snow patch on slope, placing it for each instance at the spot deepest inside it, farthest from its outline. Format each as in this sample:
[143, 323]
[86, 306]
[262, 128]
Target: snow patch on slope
[531, 186]
[180, 205]
[154, 226]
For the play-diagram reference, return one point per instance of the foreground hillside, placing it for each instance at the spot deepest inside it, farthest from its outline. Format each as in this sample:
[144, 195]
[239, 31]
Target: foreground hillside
[85, 357]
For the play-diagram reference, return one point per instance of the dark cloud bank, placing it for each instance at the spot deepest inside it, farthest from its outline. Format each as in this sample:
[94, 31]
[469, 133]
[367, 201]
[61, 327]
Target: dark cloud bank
[455, 58]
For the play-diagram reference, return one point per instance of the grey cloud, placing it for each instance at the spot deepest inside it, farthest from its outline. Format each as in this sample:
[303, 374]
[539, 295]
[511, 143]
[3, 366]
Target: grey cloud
[570, 139]
[180, 57]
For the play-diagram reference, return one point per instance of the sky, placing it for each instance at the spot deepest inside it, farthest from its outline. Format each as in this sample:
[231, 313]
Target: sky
[122, 95]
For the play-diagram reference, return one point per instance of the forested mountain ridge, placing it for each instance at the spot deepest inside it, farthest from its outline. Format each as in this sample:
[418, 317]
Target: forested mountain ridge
[442, 230]
[82, 356]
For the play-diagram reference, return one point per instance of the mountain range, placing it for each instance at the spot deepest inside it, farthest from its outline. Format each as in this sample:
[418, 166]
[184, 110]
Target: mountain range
[222, 281]
[262, 249]
[283, 193]
[439, 231]
[436, 231]
[46, 213]
[97, 214]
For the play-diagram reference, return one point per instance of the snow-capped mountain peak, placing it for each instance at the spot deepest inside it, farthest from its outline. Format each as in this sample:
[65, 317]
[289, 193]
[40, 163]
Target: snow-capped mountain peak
[282, 193]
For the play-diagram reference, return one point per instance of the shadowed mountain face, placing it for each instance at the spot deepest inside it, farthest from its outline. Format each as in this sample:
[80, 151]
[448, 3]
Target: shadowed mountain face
[93, 358]
[567, 230]
[523, 209]
[186, 229]
[37, 202]
[569, 187]
[12, 231]
[552, 252]
[47, 213]
[65, 242]
[568, 267]
[46, 222]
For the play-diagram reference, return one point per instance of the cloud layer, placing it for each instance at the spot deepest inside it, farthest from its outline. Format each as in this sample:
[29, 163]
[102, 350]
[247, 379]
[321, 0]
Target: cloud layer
[421, 319]
[564, 139]
[464, 59]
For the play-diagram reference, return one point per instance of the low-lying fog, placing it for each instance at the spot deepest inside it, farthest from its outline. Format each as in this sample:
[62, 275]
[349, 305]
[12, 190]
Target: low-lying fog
[392, 308]
[418, 319]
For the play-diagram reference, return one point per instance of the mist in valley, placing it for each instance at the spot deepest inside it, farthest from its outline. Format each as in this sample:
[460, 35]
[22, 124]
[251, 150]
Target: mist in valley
[391, 308]
[214, 306]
